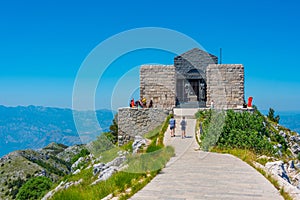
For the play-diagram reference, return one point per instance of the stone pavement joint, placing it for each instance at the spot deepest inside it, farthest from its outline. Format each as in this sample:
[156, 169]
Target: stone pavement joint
[192, 174]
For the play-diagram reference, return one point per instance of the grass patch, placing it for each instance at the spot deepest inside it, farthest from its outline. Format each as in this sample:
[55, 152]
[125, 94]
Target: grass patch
[243, 154]
[85, 174]
[150, 162]
[153, 133]
[127, 147]
[264, 160]
[109, 155]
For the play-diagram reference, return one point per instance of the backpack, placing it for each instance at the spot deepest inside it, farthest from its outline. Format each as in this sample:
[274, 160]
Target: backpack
[183, 123]
[172, 122]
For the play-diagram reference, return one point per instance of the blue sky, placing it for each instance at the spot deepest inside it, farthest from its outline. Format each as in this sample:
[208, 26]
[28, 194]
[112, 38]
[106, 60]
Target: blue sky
[43, 44]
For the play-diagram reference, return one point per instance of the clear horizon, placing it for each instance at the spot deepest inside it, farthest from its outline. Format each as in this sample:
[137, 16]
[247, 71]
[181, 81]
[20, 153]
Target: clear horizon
[43, 45]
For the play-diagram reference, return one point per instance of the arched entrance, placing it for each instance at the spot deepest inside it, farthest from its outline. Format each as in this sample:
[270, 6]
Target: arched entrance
[191, 90]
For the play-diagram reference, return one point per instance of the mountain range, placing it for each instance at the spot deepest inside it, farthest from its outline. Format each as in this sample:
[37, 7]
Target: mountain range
[34, 127]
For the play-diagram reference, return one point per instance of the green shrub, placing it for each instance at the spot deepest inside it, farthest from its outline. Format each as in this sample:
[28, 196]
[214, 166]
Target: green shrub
[242, 130]
[113, 130]
[298, 156]
[101, 144]
[34, 188]
[278, 138]
[153, 148]
[153, 133]
[164, 127]
[82, 153]
[271, 116]
[127, 146]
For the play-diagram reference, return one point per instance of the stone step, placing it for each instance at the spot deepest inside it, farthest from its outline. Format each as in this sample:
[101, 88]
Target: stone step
[191, 104]
[185, 112]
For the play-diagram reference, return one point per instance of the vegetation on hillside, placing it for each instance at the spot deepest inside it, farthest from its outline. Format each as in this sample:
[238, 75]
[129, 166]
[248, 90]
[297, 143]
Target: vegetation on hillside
[107, 140]
[271, 116]
[242, 130]
[34, 188]
[141, 168]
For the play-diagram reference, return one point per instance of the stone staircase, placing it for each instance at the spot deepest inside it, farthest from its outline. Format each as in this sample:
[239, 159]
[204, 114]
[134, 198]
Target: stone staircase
[188, 113]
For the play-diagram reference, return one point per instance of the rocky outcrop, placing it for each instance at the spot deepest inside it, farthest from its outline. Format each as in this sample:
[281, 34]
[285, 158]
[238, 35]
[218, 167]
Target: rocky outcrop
[70, 152]
[278, 168]
[62, 186]
[107, 170]
[138, 143]
[80, 161]
[287, 172]
[76, 164]
[103, 171]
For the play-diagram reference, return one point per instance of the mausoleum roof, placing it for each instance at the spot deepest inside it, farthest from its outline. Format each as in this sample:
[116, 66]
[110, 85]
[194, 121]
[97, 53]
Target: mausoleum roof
[196, 53]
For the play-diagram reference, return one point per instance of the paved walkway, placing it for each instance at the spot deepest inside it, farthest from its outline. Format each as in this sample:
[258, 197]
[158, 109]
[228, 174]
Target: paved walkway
[195, 174]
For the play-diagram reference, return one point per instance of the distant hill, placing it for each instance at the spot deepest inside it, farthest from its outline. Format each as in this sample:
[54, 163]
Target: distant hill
[53, 161]
[34, 127]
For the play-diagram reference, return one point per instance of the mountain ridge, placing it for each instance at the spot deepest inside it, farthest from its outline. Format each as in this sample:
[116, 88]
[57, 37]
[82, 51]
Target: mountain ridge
[33, 127]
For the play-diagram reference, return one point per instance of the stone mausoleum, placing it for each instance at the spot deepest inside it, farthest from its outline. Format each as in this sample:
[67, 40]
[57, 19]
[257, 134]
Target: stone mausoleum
[195, 80]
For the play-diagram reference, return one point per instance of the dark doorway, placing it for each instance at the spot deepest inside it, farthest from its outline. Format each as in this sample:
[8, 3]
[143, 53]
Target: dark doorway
[195, 87]
[191, 93]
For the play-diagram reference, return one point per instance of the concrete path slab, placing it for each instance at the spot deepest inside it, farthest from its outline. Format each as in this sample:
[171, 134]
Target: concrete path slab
[194, 174]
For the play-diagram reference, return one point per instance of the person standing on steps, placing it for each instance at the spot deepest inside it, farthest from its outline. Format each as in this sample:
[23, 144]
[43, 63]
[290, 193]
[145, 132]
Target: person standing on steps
[212, 104]
[150, 104]
[183, 127]
[172, 124]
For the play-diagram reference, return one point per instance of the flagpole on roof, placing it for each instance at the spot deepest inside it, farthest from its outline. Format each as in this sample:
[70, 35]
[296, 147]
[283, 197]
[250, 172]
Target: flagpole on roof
[220, 55]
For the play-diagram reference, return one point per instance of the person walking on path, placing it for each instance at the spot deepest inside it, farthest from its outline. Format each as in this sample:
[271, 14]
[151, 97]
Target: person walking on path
[172, 124]
[183, 127]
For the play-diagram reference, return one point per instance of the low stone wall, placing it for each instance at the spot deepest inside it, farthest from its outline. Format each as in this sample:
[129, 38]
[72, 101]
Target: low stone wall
[134, 121]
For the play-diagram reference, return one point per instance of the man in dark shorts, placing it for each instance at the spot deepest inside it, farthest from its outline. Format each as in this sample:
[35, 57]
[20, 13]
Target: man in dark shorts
[172, 124]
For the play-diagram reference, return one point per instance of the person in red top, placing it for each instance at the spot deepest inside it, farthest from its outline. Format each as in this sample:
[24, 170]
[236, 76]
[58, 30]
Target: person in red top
[132, 103]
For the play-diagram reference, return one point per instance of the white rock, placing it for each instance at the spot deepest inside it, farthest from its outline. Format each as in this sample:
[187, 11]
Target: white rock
[110, 196]
[75, 165]
[292, 138]
[117, 161]
[282, 133]
[77, 171]
[139, 141]
[278, 168]
[98, 168]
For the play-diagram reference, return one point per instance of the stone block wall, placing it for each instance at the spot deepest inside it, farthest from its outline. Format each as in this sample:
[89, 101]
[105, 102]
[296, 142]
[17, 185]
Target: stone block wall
[158, 82]
[225, 85]
[134, 121]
